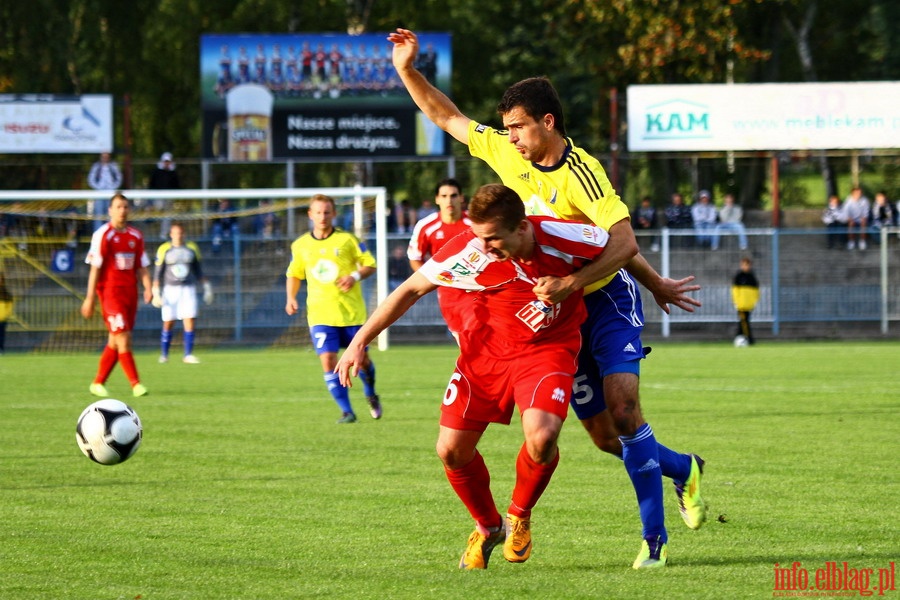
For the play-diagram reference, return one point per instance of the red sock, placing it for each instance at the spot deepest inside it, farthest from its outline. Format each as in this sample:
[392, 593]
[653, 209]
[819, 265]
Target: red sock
[108, 360]
[531, 481]
[472, 484]
[127, 360]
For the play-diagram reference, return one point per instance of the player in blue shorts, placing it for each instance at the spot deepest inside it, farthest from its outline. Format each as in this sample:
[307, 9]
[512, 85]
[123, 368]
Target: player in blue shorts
[333, 262]
[533, 155]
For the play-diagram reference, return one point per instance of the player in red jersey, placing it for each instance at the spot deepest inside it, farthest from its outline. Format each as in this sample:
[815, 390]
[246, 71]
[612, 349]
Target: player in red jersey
[432, 232]
[118, 261]
[515, 350]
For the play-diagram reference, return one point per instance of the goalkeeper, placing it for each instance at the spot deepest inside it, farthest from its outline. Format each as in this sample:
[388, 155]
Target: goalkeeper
[174, 289]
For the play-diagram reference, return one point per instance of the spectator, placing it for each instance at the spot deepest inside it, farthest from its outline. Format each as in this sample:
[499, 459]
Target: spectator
[103, 176]
[6, 309]
[426, 210]
[704, 214]
[644, 219]
[265, 225]
[404, 216]
[224, 226]
[745, 295]
[164, 177]
[731, 218]
[835, 220]
[678, 216]
[856, 209]
[883, 213]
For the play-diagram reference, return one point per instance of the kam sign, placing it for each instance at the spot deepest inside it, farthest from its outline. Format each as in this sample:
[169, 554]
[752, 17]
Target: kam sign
[789, 116]
[49, 124]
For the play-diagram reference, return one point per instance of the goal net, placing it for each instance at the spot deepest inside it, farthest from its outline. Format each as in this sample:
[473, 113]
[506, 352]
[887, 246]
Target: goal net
[244, 237]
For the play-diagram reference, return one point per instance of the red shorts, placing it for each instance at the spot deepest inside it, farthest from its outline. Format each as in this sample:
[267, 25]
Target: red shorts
[119, 307]
[487, 392]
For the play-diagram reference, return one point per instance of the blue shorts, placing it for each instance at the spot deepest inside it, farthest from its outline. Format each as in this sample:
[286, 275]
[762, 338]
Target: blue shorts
[329, 338]
[611, 342]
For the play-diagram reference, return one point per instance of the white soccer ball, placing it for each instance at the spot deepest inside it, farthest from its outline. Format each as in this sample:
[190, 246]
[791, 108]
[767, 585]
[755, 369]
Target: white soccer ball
[109, 432]
[741, 341]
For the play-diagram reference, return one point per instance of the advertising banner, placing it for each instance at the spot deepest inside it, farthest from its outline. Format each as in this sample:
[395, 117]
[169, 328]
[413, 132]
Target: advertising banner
[327, 95]
[776, 116]
[49, 124]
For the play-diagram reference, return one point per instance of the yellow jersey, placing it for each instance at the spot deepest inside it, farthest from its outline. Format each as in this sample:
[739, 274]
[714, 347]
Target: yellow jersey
[321, 263]
[576, 189]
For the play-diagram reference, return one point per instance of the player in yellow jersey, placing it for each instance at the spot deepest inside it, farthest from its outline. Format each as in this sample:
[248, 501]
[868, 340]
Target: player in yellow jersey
[332, 262]
[553, 176]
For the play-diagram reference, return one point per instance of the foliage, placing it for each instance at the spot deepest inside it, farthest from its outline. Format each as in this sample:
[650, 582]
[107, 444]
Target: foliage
[145, 51]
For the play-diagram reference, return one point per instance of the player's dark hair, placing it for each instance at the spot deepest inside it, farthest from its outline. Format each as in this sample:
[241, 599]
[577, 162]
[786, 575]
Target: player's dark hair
[447, 181]
[497, 203]
[537, 97]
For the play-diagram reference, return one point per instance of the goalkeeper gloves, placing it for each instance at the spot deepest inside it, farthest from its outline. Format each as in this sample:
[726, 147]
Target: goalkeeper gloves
[207, 293]
[157, 299]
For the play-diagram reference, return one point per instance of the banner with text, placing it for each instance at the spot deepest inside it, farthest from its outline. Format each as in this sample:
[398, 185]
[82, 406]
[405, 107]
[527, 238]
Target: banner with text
[329, 95]
[50, 124]
[776, 116]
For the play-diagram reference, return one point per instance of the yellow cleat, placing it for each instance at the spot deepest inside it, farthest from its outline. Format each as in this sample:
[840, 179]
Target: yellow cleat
[98, 389]
[653, 555]
[692, 507]
[479, 548]
[138, 390]
[517, 547]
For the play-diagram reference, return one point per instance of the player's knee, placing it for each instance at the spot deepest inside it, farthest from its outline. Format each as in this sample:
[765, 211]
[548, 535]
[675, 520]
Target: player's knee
[541, 446]
[626, 416]
[451, 456]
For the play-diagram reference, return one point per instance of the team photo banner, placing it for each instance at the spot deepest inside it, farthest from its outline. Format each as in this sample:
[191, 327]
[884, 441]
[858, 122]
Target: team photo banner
[50, 124]
[328, 95]
[777, 116]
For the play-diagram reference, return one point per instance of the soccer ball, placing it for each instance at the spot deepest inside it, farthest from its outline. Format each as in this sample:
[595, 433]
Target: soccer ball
[109, 432]
[741, 341]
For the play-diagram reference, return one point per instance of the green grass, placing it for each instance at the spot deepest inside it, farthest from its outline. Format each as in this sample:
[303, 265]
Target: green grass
[245, 488]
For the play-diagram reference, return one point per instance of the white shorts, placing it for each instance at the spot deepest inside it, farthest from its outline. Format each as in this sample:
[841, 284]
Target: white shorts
[179, 302]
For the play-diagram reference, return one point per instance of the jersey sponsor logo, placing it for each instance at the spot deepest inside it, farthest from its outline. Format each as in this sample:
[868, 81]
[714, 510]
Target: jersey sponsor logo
[537, 314]
[445, 277]
[475, 260]
[124, 261]
[325, 271]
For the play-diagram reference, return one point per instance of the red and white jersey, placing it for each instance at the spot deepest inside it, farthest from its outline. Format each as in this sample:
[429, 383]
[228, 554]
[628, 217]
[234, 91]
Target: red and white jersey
[500, 314]
[118, 254]
[431, 233]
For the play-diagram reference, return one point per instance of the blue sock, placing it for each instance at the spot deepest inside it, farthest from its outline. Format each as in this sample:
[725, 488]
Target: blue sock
[368, 378]
[188, 342]
[640, 452]
[165, 341]
[674, 465]
[338, 392]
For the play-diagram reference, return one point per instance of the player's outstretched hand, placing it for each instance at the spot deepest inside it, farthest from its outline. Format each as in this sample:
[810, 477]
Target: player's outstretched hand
[675, 291]
[156, 301]
[406, 47]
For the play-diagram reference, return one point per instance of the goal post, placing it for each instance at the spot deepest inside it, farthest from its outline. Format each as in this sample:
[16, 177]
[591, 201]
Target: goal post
[38, 226]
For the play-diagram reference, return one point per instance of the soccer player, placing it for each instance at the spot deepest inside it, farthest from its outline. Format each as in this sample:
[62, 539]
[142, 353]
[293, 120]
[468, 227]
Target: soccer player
[433, 231]
[515, 350]
[333, 262]
[174, 290]
[118, 261]
[533, 156]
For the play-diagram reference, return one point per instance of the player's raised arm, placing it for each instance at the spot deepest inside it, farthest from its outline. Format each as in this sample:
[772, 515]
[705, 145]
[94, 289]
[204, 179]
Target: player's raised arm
[434, 103]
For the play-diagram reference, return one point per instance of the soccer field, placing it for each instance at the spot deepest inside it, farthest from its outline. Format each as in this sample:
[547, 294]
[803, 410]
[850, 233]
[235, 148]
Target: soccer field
[244, 487]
